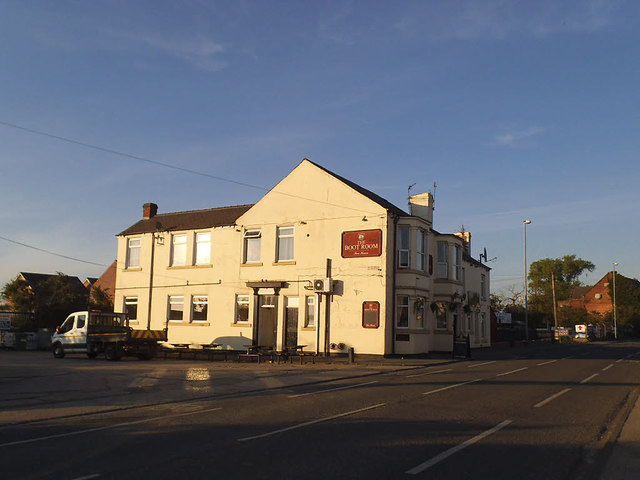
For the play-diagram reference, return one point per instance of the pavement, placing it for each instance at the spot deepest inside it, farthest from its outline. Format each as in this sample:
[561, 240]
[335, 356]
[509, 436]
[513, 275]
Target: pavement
[624, 461]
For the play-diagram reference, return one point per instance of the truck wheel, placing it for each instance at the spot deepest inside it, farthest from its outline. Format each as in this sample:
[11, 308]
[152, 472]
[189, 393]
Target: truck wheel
[92, 354]
[58, 351]
[111, 352]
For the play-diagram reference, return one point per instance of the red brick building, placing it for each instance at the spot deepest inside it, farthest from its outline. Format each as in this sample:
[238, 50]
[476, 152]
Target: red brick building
[595, 299]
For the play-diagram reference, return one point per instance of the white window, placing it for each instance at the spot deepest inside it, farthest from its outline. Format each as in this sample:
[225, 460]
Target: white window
[131, 308]
[310, 312]
[203, 248]
[421, 251]
[242, 309]
[457, 263]
[483, 287]
[441, 319]
[403, 246]
[252, 246]
[285, 244]
[133, 252]
[402, 311]
[199, 308]
[179, 250]
[420, 311]
[176, 308]
[483, 325]
[443, 260]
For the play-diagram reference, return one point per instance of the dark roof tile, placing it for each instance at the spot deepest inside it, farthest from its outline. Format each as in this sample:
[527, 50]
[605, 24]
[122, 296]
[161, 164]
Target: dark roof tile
[213, 217]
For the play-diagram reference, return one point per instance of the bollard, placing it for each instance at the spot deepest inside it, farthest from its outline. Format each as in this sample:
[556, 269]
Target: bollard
[351, 353]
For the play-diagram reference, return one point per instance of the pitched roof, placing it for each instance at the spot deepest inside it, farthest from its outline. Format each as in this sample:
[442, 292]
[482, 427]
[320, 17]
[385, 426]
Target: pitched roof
[190, 220]
[363, 191]
[34, 279]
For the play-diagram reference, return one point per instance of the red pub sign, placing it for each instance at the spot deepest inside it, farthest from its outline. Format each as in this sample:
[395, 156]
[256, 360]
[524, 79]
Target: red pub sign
[363, 243]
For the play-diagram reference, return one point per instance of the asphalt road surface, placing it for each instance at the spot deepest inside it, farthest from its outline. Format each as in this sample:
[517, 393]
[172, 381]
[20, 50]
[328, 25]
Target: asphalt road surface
[537, 412]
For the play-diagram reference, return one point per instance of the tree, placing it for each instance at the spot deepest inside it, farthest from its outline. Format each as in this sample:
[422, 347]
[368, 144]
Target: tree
[51, 299]
[100, 299]
[18, 295]
[627, 300]
[567, 271]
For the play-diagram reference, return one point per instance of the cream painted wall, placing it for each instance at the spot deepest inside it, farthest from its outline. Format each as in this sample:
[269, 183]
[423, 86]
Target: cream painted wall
[319, 207]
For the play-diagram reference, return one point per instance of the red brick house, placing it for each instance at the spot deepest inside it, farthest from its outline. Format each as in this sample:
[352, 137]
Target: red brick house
[595, 299]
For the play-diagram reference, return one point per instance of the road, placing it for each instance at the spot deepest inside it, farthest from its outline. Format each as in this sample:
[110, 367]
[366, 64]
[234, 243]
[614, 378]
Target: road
[537, 412]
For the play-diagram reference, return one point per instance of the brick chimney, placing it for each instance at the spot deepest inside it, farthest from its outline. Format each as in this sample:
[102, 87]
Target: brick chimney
[149, 210]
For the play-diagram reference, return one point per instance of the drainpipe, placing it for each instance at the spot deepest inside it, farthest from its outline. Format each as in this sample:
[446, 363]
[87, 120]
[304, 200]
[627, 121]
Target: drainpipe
[153, 243]
[393, 286]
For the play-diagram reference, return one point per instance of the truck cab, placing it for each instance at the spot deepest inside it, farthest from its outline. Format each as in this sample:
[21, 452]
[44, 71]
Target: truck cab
[71, 335]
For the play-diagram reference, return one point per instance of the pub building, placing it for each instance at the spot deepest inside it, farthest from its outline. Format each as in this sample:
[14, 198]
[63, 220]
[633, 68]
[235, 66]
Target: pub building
[318, 263]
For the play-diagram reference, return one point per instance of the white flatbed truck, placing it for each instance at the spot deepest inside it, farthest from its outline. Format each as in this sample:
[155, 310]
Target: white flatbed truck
[94, 333]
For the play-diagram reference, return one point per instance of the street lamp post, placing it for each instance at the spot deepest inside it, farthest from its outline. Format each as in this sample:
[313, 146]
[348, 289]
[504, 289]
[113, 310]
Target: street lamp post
[526, 305]
[615, 322]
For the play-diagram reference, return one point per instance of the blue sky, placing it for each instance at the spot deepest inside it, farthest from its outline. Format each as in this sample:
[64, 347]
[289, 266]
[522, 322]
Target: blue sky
[516, 109]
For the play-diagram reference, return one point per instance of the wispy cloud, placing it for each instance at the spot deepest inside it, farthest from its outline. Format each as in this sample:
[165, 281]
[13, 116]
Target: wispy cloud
[471, 19]
[517, 138]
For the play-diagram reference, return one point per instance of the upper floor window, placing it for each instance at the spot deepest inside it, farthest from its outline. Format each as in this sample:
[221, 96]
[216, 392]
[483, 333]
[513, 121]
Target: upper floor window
[483, 287]
[179, 250]
[443, 260]
[133, 252]
[421, 251]
[252, 240]
[457, 263]
[403, 246]
[203, 248]
[285, 244]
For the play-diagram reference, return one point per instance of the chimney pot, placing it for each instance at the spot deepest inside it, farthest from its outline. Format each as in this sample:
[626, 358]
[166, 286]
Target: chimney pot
[149, 210]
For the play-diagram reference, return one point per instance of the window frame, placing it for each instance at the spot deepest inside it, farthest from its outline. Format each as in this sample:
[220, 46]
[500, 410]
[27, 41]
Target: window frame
[252, 237]
[421, 312]
[282, 240]
[237, 309]
[456, 263]
[402, 307]
[130, 249]
[129, 301]
[197, 300]
[170, 310]
[404, 250]
[310, 311]
[421, 250]
[183, 246]
[443, 263]
[203, 247]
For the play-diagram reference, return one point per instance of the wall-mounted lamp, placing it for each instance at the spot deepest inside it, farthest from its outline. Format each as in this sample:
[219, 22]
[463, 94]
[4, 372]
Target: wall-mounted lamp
[365, 219]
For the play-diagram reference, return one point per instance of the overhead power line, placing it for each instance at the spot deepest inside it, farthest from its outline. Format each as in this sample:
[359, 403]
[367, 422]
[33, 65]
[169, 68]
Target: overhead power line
[128, 155]
[52, 253]
[168, 165]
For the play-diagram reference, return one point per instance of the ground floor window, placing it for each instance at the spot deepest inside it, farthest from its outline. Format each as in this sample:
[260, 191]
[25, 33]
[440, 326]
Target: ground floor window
[441, 319]
[402, 311]
[310, 312]
[242, 309]
[419, 307]
[483, 323]
[131, 308]
[199, 308]
[176, 308]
